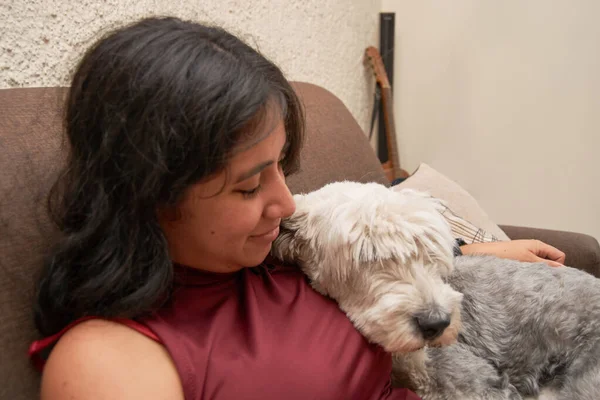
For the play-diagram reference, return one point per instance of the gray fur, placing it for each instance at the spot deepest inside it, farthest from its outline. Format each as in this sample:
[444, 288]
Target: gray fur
[525, 326]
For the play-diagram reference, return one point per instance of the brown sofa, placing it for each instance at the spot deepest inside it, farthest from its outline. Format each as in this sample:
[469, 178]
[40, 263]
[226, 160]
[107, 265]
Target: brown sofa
[32, 151]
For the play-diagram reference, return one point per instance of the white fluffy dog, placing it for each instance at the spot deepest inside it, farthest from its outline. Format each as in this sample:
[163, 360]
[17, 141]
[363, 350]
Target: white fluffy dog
[350, 239]
[508, 329]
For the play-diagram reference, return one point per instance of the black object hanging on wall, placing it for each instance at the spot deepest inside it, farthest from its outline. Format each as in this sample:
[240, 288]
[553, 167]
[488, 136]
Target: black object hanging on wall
[387, 22]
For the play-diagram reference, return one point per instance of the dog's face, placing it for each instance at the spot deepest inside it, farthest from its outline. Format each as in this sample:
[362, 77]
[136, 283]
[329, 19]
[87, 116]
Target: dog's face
[382, 255]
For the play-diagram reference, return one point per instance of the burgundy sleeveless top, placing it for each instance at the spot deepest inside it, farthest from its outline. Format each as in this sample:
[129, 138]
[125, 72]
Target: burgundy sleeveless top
[264, 333]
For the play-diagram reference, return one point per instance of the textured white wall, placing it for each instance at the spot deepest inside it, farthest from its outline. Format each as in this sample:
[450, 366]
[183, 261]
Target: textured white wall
[504, 97]
[318, 41]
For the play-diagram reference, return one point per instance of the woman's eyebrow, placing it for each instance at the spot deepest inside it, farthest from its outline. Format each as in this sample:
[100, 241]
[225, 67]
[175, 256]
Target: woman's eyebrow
[253, 171]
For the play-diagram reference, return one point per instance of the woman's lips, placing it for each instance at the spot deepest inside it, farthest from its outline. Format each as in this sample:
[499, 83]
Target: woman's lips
[269, 236]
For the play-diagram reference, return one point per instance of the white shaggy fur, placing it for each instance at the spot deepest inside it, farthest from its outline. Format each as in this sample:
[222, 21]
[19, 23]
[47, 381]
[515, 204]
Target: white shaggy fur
[367, 231]
[510, 329]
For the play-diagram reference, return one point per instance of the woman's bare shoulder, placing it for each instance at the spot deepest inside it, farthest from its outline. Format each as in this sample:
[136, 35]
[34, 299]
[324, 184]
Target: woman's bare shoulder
[100, 359]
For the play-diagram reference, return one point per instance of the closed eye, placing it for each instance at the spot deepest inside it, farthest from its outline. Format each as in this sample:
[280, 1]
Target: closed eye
[250, 193]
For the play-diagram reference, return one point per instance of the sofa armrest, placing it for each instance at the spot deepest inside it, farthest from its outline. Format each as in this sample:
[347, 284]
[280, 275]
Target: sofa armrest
[582, 251]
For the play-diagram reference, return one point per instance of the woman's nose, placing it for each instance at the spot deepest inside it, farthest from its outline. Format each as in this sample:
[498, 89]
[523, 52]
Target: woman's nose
[282, 204]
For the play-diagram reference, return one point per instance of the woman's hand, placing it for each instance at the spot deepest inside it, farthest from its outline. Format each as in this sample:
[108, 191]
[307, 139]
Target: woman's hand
[520, 250]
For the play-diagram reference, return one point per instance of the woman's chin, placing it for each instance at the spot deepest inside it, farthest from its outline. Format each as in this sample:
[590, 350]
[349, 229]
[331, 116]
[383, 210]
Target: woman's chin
[257, 257]
[256, 252]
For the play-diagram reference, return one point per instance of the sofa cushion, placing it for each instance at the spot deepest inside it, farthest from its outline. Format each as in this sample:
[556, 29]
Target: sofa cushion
[30, 126]
[467, 219]
[336, 148]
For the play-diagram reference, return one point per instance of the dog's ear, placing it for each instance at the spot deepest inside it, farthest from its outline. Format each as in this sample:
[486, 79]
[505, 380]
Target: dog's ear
[433, 237]
[407, 225]
[289, 245]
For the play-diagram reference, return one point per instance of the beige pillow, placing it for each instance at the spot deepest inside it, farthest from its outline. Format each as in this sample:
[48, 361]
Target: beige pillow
[467, 219]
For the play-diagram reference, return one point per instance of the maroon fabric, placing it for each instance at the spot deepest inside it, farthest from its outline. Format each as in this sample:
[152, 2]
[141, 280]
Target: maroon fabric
[260, 334]
[264, 333]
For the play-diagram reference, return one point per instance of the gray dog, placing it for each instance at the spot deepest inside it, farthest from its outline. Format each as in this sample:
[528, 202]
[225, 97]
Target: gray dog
[471, 327]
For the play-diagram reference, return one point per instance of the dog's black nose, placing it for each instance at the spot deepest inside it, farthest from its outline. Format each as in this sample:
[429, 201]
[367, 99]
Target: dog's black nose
[431, 326]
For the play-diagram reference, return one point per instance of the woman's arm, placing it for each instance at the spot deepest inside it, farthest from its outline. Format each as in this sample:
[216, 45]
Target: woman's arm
[521, 250]
[98, 360]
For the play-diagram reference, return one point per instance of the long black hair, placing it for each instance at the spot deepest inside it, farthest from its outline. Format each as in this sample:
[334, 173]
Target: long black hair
[153, 108]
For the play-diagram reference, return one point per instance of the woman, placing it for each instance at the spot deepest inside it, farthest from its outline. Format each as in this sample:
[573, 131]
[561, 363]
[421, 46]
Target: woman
[180, 139]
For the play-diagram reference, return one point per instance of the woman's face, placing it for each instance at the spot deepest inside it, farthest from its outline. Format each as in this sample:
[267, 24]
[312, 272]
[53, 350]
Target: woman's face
[229, 221]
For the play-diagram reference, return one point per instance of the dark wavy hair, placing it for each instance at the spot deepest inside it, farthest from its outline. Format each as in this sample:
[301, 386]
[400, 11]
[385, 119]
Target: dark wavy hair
[153, 108]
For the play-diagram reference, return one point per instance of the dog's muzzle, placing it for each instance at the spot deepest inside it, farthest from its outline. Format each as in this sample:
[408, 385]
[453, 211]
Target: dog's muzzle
[432, 326]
